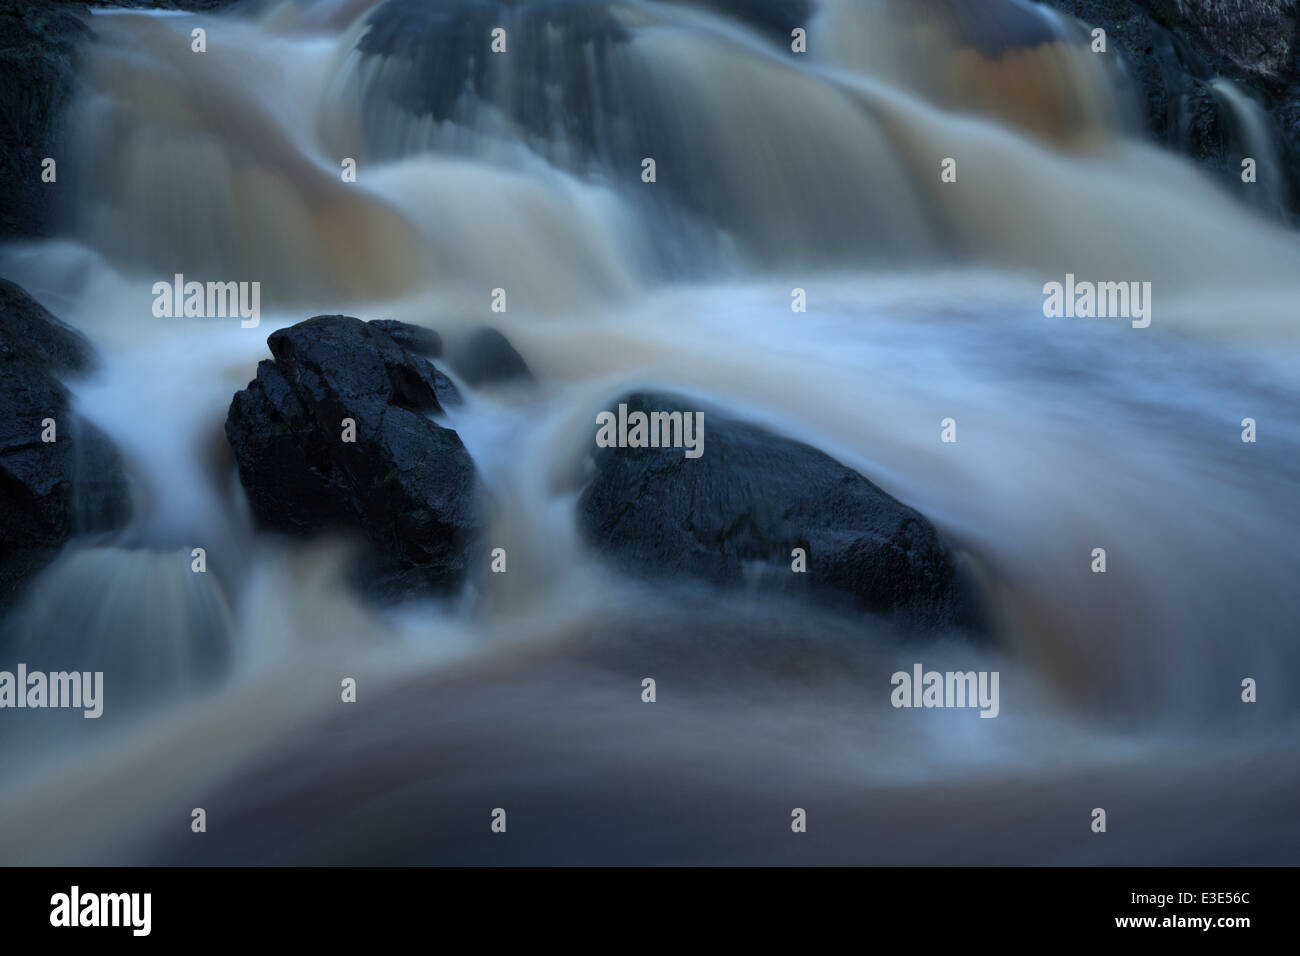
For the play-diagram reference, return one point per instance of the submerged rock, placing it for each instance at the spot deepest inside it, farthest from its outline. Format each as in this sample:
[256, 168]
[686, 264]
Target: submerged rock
[738, 511]
[590, 85]
[406, 483]
[49, 490]
[488, 358]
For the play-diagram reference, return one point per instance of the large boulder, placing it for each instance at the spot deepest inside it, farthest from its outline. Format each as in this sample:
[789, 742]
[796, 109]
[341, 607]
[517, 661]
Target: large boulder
[49, 490]
[406, 483]
[736, 513]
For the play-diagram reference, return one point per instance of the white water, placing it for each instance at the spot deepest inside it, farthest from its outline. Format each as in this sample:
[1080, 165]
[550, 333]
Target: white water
[924, 302]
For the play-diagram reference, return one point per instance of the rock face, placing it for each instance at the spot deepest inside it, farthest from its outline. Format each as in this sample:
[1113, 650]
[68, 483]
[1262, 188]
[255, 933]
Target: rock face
[49, 491]
[406, 483]
[36, 82]
[736, 513]
[1173, 50]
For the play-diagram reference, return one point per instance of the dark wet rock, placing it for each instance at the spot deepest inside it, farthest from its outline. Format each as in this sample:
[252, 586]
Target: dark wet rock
[407, 484]
[486, 357]
[417, 338]
[49, 491]
[735, 514]
[29, 332]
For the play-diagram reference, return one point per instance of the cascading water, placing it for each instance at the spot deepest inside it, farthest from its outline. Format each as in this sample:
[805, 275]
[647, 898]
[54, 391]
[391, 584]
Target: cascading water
[1253, 129]
[775, 170]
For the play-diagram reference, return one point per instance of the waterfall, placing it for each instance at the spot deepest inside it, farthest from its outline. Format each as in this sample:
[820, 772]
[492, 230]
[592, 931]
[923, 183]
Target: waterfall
[773, 170]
